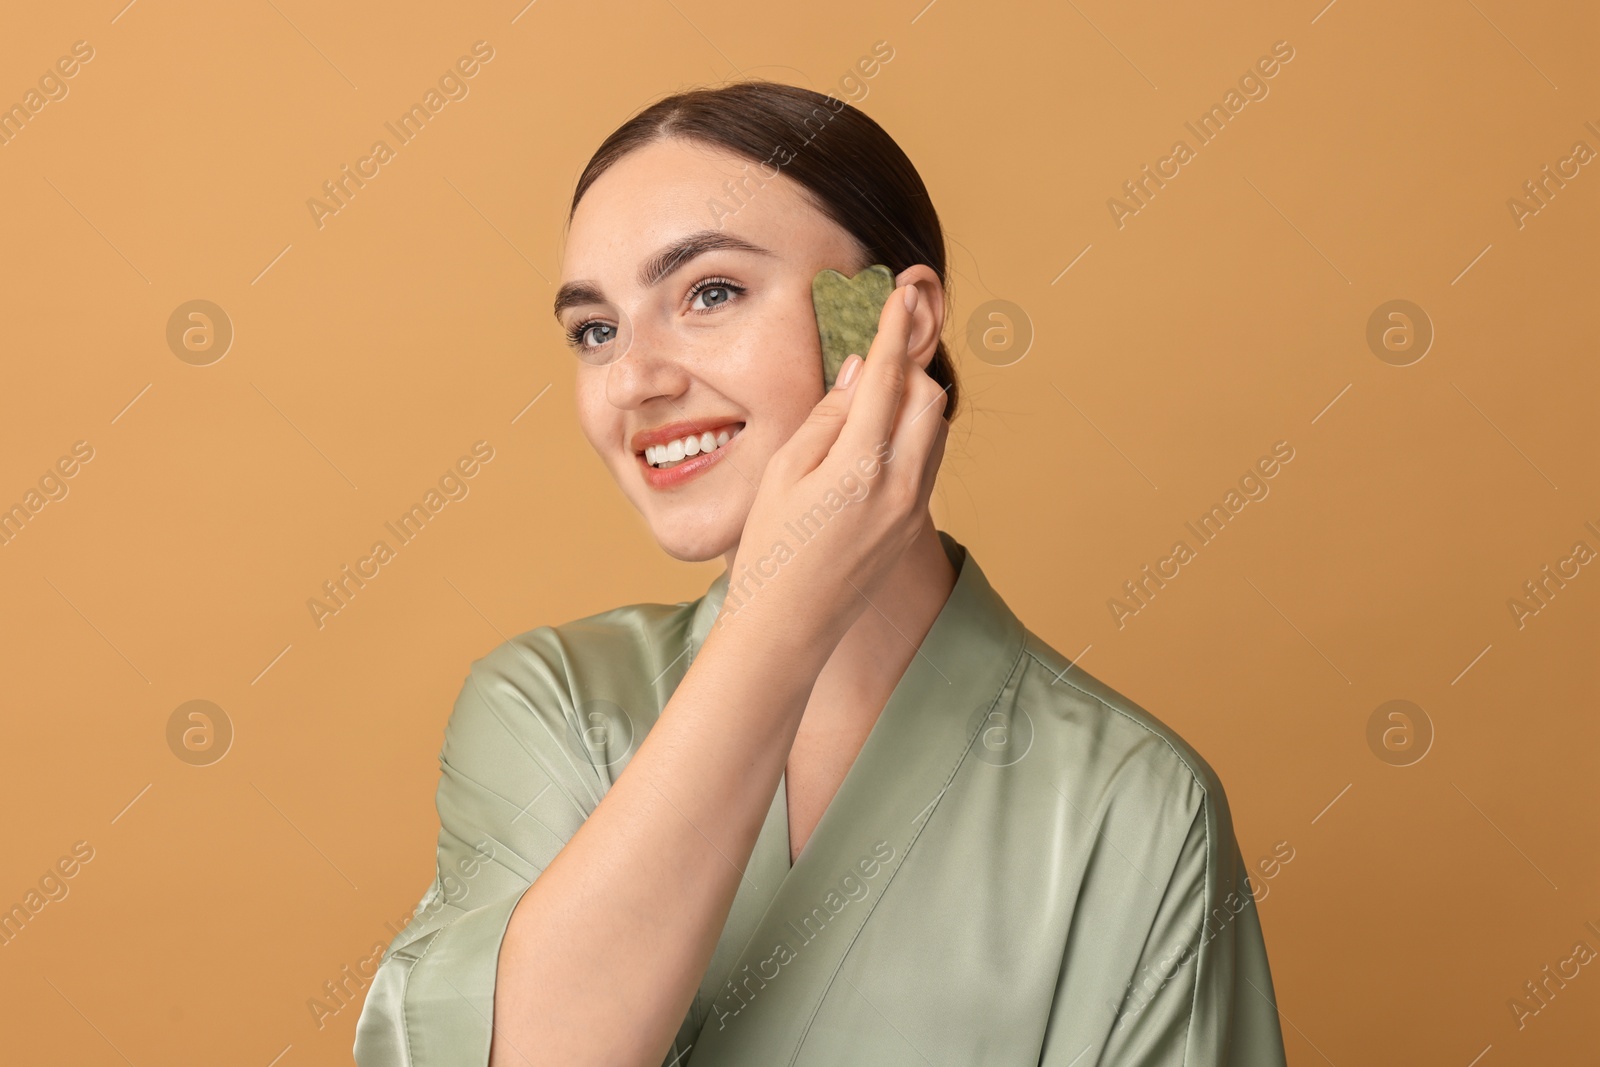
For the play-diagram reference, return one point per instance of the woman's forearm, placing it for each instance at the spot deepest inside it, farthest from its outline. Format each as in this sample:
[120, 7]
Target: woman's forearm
[604, 952]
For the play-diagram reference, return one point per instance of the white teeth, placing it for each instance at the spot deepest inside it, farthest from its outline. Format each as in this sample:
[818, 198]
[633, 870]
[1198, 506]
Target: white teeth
[665, 455]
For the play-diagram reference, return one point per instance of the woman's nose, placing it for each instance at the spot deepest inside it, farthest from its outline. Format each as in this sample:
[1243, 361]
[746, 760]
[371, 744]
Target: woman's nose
[649, 365]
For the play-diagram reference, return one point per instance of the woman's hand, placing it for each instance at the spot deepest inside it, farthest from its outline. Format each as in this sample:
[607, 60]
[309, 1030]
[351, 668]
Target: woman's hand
[854, 480]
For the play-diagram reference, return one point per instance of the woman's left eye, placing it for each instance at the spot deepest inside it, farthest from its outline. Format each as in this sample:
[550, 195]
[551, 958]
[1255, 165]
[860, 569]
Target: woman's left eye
[716, 290]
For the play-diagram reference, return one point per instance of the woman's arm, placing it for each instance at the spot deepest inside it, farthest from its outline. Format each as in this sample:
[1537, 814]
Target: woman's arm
[603, 953]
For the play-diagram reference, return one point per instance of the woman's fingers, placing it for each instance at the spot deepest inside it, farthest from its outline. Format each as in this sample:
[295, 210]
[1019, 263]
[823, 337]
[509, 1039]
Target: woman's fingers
[870, 398]
[882, 378]
[917, 441]
[883, 402]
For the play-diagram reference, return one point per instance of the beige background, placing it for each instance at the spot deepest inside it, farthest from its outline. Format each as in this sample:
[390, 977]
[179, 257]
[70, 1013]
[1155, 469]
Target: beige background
[1228, 314]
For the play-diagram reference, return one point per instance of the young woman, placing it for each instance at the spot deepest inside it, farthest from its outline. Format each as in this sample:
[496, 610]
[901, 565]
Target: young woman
[844, 808]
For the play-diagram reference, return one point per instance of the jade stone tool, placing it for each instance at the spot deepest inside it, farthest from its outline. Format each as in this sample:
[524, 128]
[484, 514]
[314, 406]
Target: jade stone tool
[847, 314]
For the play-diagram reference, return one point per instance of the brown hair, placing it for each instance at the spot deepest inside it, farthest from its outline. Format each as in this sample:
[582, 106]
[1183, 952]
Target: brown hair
[853, 171]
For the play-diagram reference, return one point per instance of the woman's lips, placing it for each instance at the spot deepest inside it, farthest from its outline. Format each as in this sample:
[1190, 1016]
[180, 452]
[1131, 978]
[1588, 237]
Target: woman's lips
[672, 477]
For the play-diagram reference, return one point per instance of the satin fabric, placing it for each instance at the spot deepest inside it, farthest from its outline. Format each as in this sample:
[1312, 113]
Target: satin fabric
[1022, 866]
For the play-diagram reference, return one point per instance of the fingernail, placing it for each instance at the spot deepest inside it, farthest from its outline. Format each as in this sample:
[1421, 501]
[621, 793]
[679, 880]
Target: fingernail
[847, 373]
[911, 298]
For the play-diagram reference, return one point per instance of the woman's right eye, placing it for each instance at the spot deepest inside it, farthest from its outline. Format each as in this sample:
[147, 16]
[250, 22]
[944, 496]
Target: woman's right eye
[577, 335]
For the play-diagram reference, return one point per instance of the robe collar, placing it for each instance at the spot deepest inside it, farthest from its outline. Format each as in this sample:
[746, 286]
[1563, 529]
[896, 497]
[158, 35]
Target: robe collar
[961, 673]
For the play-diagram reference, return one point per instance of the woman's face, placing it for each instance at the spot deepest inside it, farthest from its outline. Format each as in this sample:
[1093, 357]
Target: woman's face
[706, 339]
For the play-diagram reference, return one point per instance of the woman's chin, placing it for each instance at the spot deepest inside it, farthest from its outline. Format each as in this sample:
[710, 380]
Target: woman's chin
[696, 543]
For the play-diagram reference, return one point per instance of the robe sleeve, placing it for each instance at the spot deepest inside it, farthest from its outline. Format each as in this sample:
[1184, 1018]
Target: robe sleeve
[511, 793]
[1201, 993]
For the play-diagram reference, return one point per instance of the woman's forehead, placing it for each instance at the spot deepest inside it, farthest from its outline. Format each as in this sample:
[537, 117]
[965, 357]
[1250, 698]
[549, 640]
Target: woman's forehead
[668, 189]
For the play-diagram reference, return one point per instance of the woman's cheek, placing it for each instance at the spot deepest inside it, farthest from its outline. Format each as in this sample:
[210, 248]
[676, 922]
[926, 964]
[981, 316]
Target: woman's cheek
[593, 420]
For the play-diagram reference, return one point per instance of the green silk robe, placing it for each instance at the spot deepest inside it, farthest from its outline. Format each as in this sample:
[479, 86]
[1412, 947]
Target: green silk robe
[1022, 866]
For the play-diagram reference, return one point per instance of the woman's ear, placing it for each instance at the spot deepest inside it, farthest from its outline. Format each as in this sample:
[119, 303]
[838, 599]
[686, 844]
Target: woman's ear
[927, 321]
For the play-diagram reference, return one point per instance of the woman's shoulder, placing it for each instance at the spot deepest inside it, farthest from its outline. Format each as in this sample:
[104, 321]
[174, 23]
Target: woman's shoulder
[598, 679]
[565, 703]
[573, 650]
[1129, 774]
[1109, 740]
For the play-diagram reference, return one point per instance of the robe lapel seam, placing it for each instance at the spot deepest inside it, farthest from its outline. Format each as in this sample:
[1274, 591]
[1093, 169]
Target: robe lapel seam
[961, 759]
[983, 645]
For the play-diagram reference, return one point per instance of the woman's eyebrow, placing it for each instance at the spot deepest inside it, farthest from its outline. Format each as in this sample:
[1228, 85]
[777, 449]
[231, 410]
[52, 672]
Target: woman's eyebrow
[658, 266]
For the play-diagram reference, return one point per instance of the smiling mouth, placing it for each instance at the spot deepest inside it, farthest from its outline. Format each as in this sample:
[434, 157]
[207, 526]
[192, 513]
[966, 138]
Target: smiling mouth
[669, 455]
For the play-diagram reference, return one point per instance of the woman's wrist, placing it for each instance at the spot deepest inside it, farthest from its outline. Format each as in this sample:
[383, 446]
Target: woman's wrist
[792, 646]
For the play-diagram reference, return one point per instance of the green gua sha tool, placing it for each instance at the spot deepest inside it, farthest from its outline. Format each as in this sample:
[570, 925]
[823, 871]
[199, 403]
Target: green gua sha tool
[847, 314]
